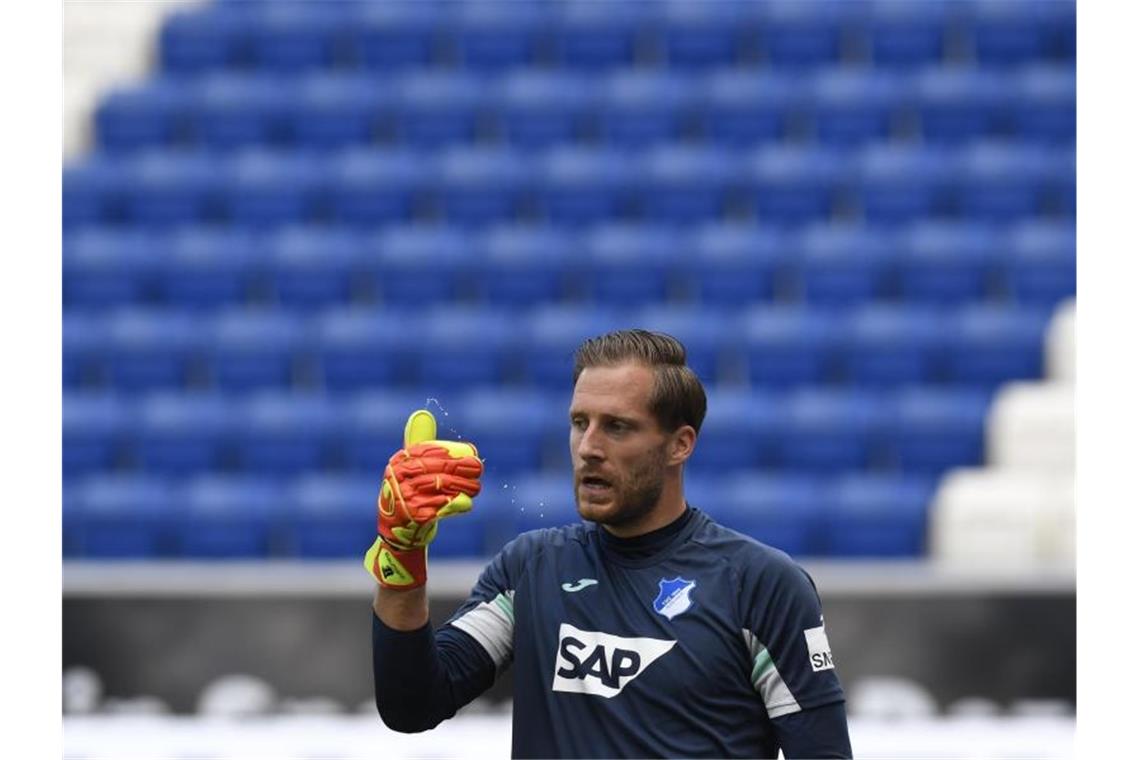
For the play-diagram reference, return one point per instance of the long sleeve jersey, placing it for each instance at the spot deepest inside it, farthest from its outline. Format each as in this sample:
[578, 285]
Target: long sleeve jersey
[691, 641]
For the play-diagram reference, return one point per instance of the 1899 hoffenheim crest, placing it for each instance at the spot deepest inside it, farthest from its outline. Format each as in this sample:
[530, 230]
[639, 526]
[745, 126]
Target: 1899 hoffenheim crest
[674, 597]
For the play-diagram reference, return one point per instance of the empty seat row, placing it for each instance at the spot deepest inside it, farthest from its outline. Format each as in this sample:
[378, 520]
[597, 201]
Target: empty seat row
[916, 430]
[321, 516]
[627, 109]
[295, 36]
[777, 185]
[877, 345]
[300, 268]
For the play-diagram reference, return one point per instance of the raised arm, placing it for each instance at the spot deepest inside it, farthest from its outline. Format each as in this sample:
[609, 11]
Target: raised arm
[421, 678]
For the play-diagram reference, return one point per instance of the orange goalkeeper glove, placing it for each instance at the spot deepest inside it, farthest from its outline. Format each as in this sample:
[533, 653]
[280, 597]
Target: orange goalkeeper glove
[424, 482]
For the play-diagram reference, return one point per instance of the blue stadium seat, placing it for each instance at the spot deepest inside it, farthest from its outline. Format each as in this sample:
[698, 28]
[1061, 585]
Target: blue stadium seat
[123, 516]
[105, 267]
[266, 188]
[490, 36]
[228, 516]
[293, 37]
[745, 107]
[527, 502]
[551, 335]
[947, 263]
[583, 186]
[793, 34]
[165, 188]
[1013, 33]
[194, 41]
[828, 430]
[784, 511]
[1003, 183]
[153, 349]
[338, 110]
[254, 349]
[702, 490]
[414, 266]
[849, 106]
[210, 267]
[392, 36]
[240, 110]
[1044, 108]
[149, 115]
[897, 184]
[95, 427]
[329, 516]
[433, 109]
[787, 345]
[71, 521]
[512, 428]
[686, 185]
[707, 334]
[842, 265]
[85, 341]
[629, 264]
[990, 345]
[907, 34]
[523, 265]
[702, 35]
[590, 36]
[734, 264]
[94, 191]
[740, 431]
[375, 187]
[541, 109]
[877, 516]
[958, 105]
[476, 186]
[181, 434]
[360, 348]
[1040, 262]
[639, 108]
[795, 185]
[313, 267]
[933, 429]
[283, 432]
[373, 426]
[891, 345]
[461, 347]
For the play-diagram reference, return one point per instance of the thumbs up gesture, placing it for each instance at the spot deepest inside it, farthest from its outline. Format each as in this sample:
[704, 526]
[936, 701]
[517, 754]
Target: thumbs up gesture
[425, 481]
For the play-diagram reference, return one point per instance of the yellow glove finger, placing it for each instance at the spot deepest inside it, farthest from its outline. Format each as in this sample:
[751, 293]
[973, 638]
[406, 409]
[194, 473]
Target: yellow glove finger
[419, 428]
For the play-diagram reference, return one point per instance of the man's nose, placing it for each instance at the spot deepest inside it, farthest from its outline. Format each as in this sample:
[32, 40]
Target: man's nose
[588, 447]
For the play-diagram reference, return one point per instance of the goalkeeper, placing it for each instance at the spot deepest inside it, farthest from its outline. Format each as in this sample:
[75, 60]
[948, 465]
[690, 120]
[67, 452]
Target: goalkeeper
[647, 630]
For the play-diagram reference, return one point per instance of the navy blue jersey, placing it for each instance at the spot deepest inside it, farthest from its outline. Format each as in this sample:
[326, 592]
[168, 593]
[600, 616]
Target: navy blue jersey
[689, 643]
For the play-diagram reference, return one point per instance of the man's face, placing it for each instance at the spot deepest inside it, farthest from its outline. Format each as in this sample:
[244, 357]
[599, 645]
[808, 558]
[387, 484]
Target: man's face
[618, 449]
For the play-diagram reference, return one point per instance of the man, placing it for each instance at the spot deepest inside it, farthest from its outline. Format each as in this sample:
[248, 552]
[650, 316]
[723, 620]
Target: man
[648, 630]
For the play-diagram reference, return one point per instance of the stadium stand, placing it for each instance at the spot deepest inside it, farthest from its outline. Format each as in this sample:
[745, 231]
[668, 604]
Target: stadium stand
[311, 218]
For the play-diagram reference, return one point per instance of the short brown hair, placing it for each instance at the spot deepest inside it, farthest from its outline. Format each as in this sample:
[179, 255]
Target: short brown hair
[678, 397]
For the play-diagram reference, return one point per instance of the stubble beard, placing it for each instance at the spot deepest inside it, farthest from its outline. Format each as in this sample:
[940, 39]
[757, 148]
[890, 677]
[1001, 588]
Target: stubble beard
[634, 498]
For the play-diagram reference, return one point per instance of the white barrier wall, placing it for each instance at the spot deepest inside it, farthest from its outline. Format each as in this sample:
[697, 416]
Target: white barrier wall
[106, 44]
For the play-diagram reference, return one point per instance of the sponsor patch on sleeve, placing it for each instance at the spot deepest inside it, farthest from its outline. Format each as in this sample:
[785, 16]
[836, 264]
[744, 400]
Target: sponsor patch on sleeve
[819, 650]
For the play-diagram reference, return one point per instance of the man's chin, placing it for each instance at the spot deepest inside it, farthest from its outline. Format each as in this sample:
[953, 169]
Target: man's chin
[597, 511]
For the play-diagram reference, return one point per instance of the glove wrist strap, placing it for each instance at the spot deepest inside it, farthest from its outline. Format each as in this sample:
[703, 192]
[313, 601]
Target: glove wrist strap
[401, 570]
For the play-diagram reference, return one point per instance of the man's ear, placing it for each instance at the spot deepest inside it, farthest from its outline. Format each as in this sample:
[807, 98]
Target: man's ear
[682, 445]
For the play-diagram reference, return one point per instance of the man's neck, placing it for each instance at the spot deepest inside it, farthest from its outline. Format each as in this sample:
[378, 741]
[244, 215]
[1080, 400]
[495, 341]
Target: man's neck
[670, 506]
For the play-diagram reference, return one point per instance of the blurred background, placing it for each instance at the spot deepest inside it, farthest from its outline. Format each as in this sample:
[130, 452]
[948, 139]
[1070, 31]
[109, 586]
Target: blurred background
[288, 224]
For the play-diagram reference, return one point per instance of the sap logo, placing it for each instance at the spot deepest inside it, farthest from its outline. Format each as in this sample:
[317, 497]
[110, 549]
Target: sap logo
[588, 662]
[819, 650]
[821, 661]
